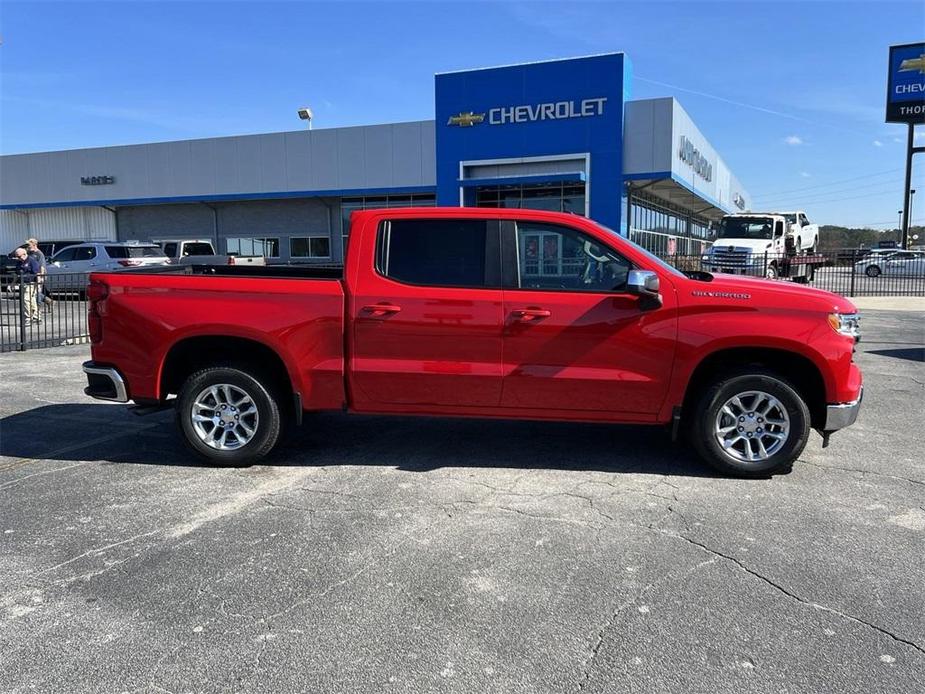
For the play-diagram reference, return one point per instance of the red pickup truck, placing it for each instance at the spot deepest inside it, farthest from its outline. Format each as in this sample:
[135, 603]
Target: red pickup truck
[480, 313]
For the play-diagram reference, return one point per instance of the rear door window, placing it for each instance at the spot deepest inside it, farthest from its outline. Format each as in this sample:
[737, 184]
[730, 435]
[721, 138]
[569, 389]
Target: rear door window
[196, 249]
[440, 252]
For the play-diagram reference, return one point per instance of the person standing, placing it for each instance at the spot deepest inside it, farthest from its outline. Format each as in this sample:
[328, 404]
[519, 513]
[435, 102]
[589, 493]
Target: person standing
[41, 294]
[30, 270]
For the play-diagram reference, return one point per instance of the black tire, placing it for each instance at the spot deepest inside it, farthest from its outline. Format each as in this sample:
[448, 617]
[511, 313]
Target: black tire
[267, 423]
[707, 409]
[770, 272]
[872, 271]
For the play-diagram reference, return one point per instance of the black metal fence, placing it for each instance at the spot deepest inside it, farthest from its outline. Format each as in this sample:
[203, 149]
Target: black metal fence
[849, 273]
[58, 315]
[45, 313]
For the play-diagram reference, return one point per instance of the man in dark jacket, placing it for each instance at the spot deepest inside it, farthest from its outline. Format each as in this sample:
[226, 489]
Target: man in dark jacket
[30, 269]
[41, 293]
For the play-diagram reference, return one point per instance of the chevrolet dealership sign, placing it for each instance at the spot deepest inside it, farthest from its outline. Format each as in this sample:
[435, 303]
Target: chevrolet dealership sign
[905, 97]
[558, 110]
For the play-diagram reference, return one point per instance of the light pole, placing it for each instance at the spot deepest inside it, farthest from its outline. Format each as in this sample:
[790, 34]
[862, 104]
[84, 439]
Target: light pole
[305, 113]
[911, 198]
[900, 227]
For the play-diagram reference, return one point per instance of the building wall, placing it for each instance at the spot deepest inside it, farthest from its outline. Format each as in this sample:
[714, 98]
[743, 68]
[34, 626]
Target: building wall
[393, 156]
[654, 128]
[280, 219]
[58, 223]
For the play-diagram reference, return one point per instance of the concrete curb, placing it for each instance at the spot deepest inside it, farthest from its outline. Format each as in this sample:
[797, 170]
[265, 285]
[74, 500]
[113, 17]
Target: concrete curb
[890, 303]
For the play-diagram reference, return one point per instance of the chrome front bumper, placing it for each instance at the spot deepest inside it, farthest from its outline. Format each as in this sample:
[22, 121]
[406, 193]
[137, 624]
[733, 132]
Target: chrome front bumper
[843, 414]
[105, 383]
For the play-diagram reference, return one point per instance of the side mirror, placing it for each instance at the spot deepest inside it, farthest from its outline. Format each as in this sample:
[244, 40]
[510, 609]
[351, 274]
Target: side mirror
[642, 283]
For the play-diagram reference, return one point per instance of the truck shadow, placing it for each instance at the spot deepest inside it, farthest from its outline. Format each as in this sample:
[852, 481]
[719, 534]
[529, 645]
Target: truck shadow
[111, 434]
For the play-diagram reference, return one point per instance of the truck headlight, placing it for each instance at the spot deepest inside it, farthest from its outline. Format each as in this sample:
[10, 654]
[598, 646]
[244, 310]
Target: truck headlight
[847, 324]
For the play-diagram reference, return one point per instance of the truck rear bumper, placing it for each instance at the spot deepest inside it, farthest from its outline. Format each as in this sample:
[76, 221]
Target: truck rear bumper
[843, 414]
[104, 383]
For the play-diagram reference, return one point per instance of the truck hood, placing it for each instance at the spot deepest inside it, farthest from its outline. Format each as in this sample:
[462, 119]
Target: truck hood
[753, 245]
[761, 293]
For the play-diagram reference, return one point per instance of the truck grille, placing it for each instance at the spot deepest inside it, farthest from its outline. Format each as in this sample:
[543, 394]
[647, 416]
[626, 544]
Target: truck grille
[730, 256]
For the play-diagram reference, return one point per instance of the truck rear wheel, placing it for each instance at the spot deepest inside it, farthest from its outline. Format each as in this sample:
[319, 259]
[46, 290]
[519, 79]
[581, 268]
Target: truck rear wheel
[750, 424]
[228, 416]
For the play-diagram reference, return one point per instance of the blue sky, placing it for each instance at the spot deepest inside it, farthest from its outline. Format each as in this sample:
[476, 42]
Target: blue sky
[791, 94]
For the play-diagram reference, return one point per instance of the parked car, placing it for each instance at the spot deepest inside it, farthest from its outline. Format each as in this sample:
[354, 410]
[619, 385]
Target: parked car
[49, 248]
[67, 269]
[480, 312]
[892, 262]
[201, 252]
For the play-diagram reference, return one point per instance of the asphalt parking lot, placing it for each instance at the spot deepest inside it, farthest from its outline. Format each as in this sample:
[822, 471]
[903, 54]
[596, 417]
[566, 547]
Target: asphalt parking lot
[410, 555]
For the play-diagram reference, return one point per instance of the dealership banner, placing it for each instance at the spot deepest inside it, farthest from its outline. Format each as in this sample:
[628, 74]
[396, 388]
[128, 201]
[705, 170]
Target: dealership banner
[905, 97]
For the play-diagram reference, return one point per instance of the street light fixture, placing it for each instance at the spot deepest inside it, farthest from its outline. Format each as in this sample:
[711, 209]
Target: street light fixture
[305, 113]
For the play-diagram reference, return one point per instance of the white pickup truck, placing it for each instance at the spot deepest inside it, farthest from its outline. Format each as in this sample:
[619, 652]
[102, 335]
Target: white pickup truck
[202, 252]
[803, 235]
[771, 244]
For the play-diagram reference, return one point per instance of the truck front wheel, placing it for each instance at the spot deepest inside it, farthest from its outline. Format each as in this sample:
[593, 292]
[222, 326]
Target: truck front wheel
[750, 424]
[228, 416]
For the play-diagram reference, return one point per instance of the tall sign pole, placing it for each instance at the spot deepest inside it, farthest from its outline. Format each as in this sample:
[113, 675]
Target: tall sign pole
[905, 103]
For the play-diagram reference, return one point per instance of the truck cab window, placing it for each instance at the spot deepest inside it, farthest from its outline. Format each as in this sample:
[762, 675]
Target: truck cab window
[438, 252]
[558, 257]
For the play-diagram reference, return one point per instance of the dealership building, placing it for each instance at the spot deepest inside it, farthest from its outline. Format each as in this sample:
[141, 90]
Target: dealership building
[556, 135]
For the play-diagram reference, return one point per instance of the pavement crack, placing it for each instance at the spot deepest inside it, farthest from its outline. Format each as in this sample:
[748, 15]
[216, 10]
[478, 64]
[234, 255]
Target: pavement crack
[864, 472]
[791, 595]
[589, 663]
[96, 551]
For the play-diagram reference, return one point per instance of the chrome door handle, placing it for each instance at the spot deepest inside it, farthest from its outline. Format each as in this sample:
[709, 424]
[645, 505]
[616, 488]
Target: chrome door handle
[530, 314]
[381, 310]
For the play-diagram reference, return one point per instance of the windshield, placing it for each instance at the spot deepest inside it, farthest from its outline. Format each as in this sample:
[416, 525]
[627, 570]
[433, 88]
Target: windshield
[756, 228]
[135, 252]
[654, 258]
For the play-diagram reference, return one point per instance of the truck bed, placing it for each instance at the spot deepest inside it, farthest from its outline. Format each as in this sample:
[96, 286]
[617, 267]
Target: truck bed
[293, 311]
[287, 271]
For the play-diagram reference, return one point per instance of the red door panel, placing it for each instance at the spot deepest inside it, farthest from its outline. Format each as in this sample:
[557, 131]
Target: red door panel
[441, 349]
[591, 352]
[415, 341]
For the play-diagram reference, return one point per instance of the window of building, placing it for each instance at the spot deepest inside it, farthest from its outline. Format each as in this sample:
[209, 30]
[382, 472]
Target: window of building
[554, 197]
[434, 252]
[267, 247]
[556, 257]
[350, 205]
[665, 229]
[309, 247]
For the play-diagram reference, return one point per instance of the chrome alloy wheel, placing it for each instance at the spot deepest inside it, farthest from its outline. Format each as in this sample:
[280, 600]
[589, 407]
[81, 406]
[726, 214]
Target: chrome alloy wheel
[752, 426]
[224, 417]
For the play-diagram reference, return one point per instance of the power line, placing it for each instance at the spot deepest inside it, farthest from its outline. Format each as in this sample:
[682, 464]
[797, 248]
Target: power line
[824, 196]
[754, 107]
[791, 199]
[826, 185]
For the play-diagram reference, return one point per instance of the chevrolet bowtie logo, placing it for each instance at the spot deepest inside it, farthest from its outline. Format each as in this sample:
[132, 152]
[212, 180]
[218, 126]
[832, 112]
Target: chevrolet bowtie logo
[466, 119]
[913, 64]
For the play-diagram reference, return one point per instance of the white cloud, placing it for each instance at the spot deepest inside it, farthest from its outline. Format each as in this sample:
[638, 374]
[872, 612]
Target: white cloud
[898, 139]
[806, 174]
[877, 143]
[793, 140]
